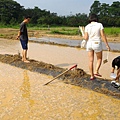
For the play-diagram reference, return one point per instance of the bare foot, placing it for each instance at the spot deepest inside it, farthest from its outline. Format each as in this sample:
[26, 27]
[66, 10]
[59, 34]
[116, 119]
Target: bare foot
[26, 61]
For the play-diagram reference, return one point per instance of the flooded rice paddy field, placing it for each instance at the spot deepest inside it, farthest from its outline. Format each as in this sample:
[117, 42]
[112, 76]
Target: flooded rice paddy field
[60, 56]
[115, 46]
[23, 95]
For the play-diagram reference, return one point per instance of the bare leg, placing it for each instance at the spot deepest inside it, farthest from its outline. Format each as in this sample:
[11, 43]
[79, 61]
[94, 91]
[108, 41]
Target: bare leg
[113, 69]
[24, 56]
[91, 60]
[99, 61]
[118, 75]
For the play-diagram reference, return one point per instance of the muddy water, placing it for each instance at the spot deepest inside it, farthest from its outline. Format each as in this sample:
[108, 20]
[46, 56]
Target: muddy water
[23, 97]
[63, 57]
[114, 46]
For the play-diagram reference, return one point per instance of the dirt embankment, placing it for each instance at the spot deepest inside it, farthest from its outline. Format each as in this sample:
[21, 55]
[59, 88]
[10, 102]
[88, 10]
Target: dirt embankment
[75, 77]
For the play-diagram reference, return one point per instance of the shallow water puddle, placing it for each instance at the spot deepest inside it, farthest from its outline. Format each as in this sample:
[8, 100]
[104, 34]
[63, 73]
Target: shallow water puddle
[23, 97]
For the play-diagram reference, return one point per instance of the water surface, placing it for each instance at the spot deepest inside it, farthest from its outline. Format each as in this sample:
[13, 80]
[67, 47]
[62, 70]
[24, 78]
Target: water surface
[60, 56]
[114, 46]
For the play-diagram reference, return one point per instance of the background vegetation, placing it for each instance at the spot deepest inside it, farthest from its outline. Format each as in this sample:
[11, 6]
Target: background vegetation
[11, 14]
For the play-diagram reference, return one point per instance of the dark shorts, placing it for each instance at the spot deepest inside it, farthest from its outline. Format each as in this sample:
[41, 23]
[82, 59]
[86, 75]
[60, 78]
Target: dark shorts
[24, 44]
[116, 62]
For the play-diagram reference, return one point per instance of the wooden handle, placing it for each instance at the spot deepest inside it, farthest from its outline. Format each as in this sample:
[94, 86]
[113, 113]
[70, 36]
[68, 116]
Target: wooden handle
[81, 30]
[61, 74]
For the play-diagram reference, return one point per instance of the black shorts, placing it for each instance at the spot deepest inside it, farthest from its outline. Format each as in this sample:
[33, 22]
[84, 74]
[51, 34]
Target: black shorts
[24, 44]
[116, 62]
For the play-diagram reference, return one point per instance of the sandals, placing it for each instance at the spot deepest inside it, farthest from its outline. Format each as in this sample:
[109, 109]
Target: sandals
[98, 75]
[92, 78]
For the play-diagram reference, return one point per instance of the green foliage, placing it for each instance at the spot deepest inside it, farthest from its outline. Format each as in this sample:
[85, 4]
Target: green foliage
[108, 15]
[10, 10]
[95, 7]
[11, 13]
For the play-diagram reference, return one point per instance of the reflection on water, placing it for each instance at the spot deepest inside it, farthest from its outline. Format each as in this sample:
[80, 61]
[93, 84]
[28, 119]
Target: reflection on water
[25, 88]
[114, 46]
[58, 41]
[9, 46]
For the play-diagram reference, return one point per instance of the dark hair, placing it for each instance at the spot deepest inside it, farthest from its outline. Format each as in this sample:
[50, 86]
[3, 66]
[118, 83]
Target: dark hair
[93, 18]
[26, 17]
[116, 62]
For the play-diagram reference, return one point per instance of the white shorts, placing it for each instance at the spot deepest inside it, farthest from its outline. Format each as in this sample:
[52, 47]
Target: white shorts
[94, 45]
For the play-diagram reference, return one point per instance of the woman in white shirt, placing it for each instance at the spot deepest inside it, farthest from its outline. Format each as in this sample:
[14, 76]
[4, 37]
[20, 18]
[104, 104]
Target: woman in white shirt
[94, 34]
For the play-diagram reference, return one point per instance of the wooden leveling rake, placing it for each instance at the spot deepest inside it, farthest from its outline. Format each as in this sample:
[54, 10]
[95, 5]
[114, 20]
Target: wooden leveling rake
[61, 74]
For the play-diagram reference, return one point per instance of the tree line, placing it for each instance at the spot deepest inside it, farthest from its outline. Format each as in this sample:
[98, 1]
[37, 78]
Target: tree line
[11, 13]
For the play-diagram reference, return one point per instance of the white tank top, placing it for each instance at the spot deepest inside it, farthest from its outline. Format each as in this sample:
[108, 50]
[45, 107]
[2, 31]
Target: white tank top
[93, 29]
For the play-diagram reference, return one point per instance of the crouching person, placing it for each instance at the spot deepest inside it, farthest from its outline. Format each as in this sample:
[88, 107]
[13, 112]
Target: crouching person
[116, 63]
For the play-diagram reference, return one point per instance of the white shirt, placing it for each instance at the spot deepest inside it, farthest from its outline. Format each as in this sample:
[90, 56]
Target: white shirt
[93, 29]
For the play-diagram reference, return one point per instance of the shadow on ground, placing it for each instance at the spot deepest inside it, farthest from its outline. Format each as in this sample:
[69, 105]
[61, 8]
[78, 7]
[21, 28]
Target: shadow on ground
[75, 77]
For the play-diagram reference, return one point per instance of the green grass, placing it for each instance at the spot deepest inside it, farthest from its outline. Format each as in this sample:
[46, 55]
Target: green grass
[112, 31]
[65, 31]
[58, 30]
[1, 34]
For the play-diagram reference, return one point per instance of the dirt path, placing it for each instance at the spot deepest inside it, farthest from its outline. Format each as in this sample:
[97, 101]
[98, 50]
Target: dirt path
[23, 97]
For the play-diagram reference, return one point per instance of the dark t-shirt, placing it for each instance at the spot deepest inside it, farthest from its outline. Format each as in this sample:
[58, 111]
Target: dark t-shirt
[23, 31]
[116, 62]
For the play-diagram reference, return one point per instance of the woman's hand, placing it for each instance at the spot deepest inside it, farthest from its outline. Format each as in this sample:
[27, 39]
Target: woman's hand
[108, 48]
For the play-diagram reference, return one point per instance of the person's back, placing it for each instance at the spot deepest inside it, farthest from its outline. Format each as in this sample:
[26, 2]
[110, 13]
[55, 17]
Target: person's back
[93, 30]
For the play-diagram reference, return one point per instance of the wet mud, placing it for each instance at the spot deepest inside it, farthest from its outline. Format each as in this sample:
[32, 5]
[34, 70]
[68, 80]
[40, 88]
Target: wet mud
[76, 77]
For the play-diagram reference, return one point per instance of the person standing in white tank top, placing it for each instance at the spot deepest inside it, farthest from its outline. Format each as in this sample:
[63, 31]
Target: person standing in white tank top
[94, 34]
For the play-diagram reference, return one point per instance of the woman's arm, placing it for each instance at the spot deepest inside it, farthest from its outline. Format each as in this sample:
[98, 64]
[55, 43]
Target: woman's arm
[104, 39]
[86, 36]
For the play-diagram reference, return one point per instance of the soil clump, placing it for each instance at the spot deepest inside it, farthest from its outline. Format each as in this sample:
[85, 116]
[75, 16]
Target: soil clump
[76, 77]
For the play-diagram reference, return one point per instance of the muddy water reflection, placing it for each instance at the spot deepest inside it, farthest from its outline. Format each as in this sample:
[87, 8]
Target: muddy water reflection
[9, 46]
[114, 46]
[23, 97]
[63, 57]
